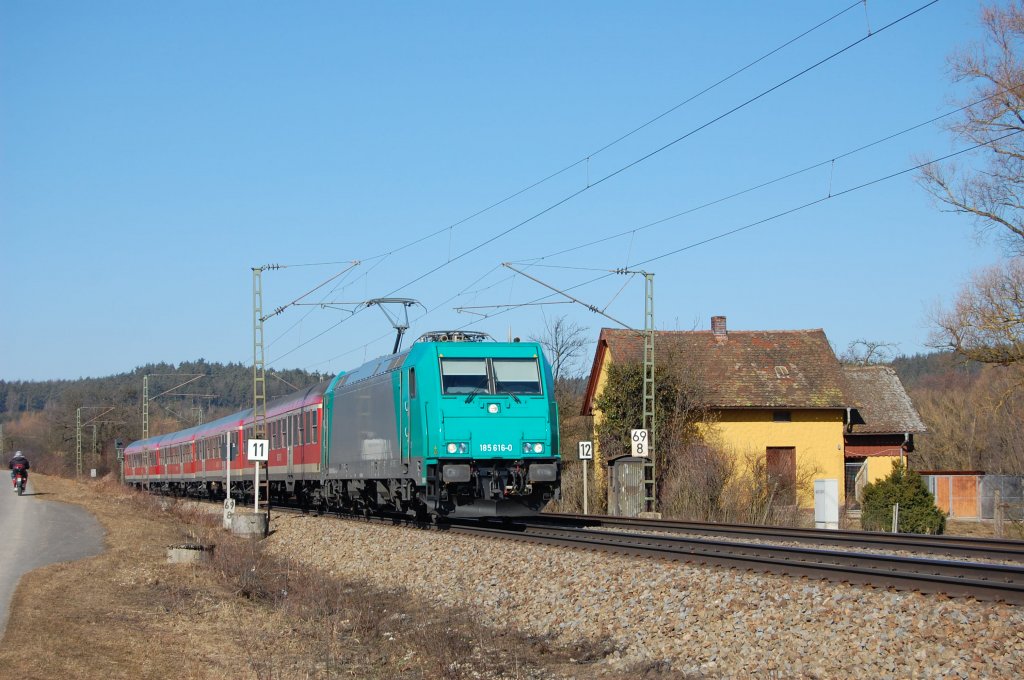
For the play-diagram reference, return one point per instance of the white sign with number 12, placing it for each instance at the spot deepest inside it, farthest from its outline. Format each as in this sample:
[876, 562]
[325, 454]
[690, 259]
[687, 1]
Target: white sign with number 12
[586, 450]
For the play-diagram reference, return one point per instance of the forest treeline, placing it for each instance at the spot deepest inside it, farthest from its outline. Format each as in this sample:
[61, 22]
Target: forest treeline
[972, 411]
[42, 417]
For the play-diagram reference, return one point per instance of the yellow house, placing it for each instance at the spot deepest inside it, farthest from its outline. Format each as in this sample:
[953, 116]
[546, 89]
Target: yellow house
[780, 397]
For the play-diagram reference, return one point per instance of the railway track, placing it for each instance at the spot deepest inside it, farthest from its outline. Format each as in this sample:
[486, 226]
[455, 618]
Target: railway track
[981, 580]
[976, 548]
[652, 538]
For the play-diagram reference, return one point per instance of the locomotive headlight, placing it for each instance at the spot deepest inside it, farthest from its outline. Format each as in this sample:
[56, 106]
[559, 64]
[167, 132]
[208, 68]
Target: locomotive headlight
[453, 447]
[457, 447]
[462, 447]
[492, 408]
[527, 447]
[538, 448]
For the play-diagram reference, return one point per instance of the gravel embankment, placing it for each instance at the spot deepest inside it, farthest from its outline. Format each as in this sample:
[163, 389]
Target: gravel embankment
[700, 620]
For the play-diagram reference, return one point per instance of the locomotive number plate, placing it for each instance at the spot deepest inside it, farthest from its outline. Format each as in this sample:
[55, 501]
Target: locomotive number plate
[495, 448]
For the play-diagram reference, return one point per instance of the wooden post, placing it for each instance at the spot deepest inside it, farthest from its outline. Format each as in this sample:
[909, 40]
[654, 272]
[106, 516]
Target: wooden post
[998, 512]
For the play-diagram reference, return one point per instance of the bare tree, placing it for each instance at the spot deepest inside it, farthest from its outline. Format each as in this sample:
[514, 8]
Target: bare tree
[868, 352]
[974, 425]
[986, 323]
[565, 342]
[991, 191]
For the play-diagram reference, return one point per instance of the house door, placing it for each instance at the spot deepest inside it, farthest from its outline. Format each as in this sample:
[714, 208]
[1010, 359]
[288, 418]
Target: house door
[854, 470]
[781, 472]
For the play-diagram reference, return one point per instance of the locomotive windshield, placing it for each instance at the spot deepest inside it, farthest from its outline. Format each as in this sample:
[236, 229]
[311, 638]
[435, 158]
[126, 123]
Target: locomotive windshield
[473, 376]
[520, 376]
[463, 376]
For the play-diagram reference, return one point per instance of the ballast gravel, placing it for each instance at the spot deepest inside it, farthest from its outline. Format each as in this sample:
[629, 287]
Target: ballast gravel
[688, 619]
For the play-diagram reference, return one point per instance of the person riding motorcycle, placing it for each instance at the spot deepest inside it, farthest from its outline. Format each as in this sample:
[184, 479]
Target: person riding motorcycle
[19, 465]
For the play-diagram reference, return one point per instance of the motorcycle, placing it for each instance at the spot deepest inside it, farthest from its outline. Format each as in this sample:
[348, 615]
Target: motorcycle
[19, 482]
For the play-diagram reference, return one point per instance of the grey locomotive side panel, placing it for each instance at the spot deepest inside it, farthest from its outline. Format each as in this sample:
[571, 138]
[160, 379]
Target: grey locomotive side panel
[364, 439]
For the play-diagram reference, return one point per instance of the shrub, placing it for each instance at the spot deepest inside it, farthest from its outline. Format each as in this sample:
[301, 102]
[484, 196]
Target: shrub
[918, 514]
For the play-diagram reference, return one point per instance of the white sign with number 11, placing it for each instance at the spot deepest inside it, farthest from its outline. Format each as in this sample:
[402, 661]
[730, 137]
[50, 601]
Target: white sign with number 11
[259, 449]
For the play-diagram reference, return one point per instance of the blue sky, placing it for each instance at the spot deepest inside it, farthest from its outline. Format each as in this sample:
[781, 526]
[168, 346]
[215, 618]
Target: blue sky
[152, 153]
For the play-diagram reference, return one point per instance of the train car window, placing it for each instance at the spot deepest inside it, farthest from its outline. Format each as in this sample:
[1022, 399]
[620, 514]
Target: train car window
[519, 376]
[273, 435]
[412, 383]
[463, 376]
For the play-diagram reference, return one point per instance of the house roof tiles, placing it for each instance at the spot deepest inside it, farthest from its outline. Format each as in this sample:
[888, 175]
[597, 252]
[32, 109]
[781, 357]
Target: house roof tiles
[740, 369]
[883, 406]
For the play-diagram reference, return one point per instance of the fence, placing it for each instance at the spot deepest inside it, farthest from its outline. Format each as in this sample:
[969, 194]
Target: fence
[1010, 489]
[973, 495]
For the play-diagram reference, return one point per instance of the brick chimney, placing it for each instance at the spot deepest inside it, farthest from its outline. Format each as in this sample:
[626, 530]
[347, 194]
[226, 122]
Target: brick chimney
[718, 328]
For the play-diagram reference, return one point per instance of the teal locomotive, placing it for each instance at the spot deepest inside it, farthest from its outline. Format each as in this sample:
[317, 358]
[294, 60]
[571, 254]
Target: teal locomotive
[456, 425]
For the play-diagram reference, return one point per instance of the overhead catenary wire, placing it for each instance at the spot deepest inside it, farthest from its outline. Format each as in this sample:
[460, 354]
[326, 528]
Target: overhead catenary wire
[536, 262]
[330, 292]
[760, 222]
[663, 147]
[452, 259]
[604, 147]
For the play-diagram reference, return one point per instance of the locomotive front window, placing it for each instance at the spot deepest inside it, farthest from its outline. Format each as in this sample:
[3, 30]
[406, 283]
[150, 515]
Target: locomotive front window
[519, 376]
[463, 376]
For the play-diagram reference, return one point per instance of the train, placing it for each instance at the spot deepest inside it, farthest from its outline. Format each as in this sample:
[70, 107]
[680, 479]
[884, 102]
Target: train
[456, 425]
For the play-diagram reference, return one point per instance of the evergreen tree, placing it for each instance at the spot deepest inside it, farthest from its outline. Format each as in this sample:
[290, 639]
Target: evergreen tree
[917, 512]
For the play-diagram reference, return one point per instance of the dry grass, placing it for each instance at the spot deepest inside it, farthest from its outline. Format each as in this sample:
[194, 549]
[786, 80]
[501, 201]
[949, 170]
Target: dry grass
[129, 614]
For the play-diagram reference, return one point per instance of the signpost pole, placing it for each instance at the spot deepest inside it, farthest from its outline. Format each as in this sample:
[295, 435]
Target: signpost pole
[585, 496]
[586, 450]
[259, 453]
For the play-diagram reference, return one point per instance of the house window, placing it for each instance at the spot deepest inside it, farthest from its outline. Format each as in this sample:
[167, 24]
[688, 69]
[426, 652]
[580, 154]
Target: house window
[782, 416]
[780, 468]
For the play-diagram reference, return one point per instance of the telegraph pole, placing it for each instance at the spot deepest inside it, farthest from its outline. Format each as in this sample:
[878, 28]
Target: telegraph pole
[649, 418]
[259, 370]
[146, 398]
[650, 481]
[259, 383]
[78, 433]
